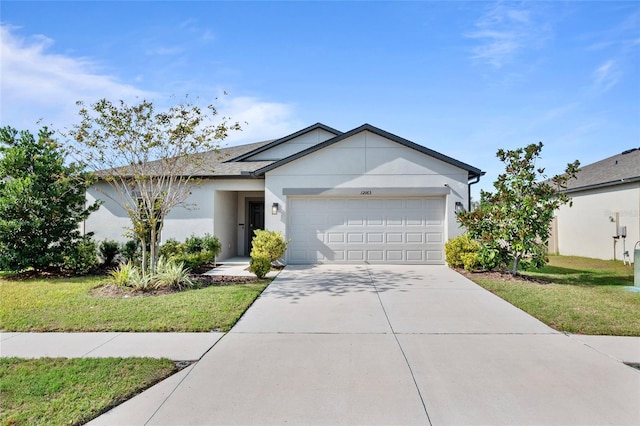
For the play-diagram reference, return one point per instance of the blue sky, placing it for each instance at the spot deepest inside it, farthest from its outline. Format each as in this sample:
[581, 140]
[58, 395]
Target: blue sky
[462, 78]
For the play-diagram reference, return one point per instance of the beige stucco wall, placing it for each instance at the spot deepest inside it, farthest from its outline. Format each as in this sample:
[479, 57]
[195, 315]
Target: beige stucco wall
[587, 229]
[367, 162]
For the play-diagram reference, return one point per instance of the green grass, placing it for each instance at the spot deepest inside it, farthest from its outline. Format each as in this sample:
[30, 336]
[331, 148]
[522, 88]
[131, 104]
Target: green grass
[65, 304]
[575, 295]
[60, 391]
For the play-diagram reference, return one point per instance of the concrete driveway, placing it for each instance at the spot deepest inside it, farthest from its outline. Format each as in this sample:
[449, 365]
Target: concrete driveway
[395, 345]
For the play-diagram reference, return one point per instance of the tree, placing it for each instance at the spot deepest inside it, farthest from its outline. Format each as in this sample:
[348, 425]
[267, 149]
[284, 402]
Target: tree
[148, 158]
[512, 223]
[42, 201]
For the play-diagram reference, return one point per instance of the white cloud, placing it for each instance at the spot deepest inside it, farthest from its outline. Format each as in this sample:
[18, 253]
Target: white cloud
[260, 120]
[606, 76]
[503, 32]
[39, 85]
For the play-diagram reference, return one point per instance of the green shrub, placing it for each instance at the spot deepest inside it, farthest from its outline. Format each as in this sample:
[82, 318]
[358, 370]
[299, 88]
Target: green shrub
[211, 244]
[82, 257]
[193, 244]
[260, 266]
[171, 248]
[170, 274]
[108, 250]
[131, 251]
[462, 249]
[191, 260]
[268, 244]
[194, 252]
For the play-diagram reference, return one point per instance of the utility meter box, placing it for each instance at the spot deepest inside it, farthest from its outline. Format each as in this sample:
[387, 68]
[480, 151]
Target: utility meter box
[622, 231]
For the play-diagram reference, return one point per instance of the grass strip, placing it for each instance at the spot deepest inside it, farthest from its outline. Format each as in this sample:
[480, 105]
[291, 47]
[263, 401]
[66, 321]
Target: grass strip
[61, 391]
[66, 304]
[575, 295]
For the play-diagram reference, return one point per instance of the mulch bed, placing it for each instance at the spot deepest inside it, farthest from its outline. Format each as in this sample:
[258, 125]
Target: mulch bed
[117, 292]
[502, 276]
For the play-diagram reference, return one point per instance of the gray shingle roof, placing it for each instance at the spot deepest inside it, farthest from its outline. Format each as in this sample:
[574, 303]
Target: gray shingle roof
[472, 171]
[615, 170]
[214, 163]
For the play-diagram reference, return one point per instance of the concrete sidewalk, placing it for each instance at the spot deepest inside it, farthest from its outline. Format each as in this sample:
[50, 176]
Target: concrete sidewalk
[393, 345]
[175, 346]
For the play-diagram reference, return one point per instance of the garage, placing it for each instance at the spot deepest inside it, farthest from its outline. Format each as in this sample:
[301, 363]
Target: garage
[406, 230]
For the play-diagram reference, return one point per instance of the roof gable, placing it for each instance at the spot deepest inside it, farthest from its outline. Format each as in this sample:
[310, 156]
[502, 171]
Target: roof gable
[472, 171]
[254, 155]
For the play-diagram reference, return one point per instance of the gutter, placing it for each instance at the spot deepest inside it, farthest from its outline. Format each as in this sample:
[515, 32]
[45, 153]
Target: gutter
[601, 185]
[473, 183]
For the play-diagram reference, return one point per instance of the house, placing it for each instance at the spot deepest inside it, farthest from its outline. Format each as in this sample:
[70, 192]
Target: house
[606, 202]
[361, 196]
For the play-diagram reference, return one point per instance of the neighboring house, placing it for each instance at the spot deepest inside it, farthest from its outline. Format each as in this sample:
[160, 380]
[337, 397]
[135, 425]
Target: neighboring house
[361, 196]
[606, 197]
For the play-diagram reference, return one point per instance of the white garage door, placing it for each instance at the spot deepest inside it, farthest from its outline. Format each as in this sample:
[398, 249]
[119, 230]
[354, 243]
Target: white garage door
[375, 230]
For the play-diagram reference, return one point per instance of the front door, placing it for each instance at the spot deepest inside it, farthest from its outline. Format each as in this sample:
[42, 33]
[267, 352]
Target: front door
[256, 221]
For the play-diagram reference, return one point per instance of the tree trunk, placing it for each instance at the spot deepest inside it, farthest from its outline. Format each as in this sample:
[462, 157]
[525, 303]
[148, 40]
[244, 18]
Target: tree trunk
[516, 262]
[153, 243]
[145, 268]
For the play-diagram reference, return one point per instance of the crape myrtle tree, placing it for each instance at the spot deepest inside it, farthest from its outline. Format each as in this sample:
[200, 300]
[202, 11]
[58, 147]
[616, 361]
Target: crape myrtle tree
[512, 223]
[42, 201]
[148, 158]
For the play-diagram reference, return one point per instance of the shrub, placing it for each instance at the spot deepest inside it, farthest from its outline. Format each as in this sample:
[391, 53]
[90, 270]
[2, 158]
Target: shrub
[211, 244]
[170, 274]
[131, 251]
[260, 266]
[462, 252]
[268, 244]
[82, 257]
[194, 252]
[171, 248]
[191, 260]
[193, 244]
[108, 250]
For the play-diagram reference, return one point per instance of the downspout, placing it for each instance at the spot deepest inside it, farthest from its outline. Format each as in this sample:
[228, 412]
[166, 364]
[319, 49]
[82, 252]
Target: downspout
[469, 191]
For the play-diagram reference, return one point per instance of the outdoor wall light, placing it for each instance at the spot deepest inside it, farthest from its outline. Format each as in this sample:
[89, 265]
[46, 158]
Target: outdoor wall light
[274, 208]
[459, 207]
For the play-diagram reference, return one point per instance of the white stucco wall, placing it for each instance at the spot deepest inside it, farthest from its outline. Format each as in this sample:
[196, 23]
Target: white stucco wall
[294, 145]
[366, 162]
[213, 207]
[586, 228]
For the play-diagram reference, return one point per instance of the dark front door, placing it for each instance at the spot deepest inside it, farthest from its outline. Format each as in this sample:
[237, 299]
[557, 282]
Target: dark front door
[256, 220]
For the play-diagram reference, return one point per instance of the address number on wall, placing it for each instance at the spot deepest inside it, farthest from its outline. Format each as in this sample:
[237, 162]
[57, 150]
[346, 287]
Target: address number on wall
[365, 192]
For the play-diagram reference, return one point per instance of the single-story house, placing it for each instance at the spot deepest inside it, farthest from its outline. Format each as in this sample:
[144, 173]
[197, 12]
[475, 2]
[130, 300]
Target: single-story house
[365, 195]
[606, 203]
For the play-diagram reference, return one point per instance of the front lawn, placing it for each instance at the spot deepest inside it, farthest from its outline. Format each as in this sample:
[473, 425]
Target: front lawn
[575, 295]
[60, 391]
[66, 304]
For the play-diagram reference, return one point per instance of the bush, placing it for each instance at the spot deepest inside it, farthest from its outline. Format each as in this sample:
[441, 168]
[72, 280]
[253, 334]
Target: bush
[194, 252]
[260, 266]
[268, 244]
[108, 250]
[193, 244]
[170, 274]
[462, 252]
[131, 251]
[211, 244]
[82, 257]
[171, 248]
